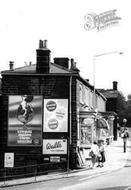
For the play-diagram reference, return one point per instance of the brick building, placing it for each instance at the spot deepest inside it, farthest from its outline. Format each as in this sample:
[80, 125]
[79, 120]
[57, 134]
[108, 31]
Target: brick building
[47, 115]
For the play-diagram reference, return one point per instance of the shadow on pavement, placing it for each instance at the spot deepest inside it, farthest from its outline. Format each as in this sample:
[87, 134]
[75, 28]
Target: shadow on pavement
[115, 188]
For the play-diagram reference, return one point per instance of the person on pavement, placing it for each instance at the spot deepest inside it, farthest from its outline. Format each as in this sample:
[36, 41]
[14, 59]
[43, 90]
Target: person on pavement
[101, 158]
[94, 153]
[125, 136]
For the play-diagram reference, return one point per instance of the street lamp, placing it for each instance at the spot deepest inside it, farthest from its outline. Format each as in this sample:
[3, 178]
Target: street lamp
[94, 60]
[124, 123]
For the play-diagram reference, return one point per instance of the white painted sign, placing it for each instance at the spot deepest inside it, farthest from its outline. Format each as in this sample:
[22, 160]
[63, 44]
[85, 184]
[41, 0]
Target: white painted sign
[55, 159]
[88, 121]
[55, 115]
[55, 146]
[9, 160]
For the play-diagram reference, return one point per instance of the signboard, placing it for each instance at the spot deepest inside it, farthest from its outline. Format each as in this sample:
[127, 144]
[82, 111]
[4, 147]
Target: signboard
[25, 120]
[55, 146]
[55, 115]
[55, 159]
[9, 160]
[87, 130]
[88, 121]
[86, 135]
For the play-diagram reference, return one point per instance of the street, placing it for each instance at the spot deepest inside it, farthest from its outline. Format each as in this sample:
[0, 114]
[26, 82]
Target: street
[111, 180]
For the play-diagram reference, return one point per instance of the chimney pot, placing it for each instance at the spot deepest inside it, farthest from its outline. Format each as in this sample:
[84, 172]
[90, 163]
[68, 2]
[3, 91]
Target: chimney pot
[40, 44]
[114, 85]
[45, 44]
[87, 80]
[73, 66]
[11, 64]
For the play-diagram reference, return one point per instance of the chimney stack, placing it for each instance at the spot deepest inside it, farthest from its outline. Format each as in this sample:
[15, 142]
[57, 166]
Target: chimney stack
[114, 85]
[11, 64]
[73, 66]
[43, 58]
[62, 61]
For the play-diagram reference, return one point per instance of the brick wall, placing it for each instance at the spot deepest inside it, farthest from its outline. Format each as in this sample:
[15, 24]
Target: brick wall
[47, 86]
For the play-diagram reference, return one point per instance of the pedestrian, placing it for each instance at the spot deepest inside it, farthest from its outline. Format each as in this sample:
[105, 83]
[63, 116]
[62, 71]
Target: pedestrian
[101, 158]
[94, 153]
[124, 136]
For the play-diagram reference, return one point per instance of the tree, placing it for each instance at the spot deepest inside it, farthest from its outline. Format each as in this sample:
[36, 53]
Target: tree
[121, 107]
[128, 110]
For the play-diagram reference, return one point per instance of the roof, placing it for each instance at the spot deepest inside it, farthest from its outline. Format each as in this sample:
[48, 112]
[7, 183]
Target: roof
[31, 69]
[54, 69]
[109, 93]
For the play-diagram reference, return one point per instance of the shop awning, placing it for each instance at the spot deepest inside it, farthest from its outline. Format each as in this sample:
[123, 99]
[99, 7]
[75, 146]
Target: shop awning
[102, 123]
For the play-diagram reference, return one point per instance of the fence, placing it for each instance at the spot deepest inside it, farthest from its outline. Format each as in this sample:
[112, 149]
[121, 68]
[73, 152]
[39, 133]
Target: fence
[9, 174]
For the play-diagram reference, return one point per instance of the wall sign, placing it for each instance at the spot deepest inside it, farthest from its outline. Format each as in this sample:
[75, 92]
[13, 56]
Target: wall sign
[55, 159]
[25, 120]
[9, 160]
[55, 115]
[55, 146]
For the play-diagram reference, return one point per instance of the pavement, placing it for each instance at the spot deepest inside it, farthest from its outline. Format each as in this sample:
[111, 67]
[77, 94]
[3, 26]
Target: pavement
[115, 160]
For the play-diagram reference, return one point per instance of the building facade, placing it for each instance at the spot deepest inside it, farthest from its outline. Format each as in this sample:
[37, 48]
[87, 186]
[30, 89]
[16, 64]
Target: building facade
[112, 103]
[48, 115]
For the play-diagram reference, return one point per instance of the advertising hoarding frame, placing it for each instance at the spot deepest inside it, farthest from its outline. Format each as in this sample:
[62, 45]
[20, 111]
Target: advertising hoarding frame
[55, 115]
[26, 131]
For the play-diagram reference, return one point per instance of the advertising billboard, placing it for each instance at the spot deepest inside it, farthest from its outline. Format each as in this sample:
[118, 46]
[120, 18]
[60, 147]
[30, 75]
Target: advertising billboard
[25, 120]
[55, 115]
[55, 146]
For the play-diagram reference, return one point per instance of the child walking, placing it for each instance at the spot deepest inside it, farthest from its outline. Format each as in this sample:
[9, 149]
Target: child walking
[94, 152]
[102, 158]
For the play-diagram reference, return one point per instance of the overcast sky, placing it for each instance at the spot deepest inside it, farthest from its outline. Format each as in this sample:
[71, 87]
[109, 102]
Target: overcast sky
[61, 22]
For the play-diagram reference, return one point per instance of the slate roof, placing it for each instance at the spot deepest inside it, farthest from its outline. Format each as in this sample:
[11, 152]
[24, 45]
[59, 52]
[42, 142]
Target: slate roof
[31, 69]
[54, 69]
[109, 93]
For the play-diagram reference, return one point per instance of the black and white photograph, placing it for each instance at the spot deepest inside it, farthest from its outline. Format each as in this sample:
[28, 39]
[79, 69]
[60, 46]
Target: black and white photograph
[65, 95]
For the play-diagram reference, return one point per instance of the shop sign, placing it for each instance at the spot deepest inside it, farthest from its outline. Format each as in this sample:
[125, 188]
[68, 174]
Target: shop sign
[88, 121]
[9, 160]
[55, 115]
[55, 146]
[25, 120]
[46, 159]
[55, 159]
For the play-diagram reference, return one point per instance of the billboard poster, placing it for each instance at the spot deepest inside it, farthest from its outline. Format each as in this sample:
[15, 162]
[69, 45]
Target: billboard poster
[55, 115]
[55, 146]
[25, 120]
[8, 160]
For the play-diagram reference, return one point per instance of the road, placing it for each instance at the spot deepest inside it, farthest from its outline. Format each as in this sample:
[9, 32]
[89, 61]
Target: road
[116, 180]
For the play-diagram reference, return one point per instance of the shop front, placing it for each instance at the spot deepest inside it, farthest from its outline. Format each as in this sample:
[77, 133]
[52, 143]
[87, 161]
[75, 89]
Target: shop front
[93, 127]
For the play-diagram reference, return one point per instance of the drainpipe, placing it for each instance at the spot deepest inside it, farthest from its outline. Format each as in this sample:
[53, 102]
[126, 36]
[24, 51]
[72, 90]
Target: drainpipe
[70, 118]
[70, 109]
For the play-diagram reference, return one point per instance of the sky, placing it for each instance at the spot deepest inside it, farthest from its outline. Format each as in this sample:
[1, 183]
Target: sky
[24, 22]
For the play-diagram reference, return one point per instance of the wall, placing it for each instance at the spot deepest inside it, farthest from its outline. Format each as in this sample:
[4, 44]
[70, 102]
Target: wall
[49, 87]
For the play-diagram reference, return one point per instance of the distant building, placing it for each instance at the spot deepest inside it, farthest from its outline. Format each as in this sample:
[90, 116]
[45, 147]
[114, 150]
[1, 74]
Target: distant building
[111, 103]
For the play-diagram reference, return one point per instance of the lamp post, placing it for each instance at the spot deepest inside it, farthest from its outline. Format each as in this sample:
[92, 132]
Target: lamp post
[94, 70]
[124, 123]
[94, 97]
